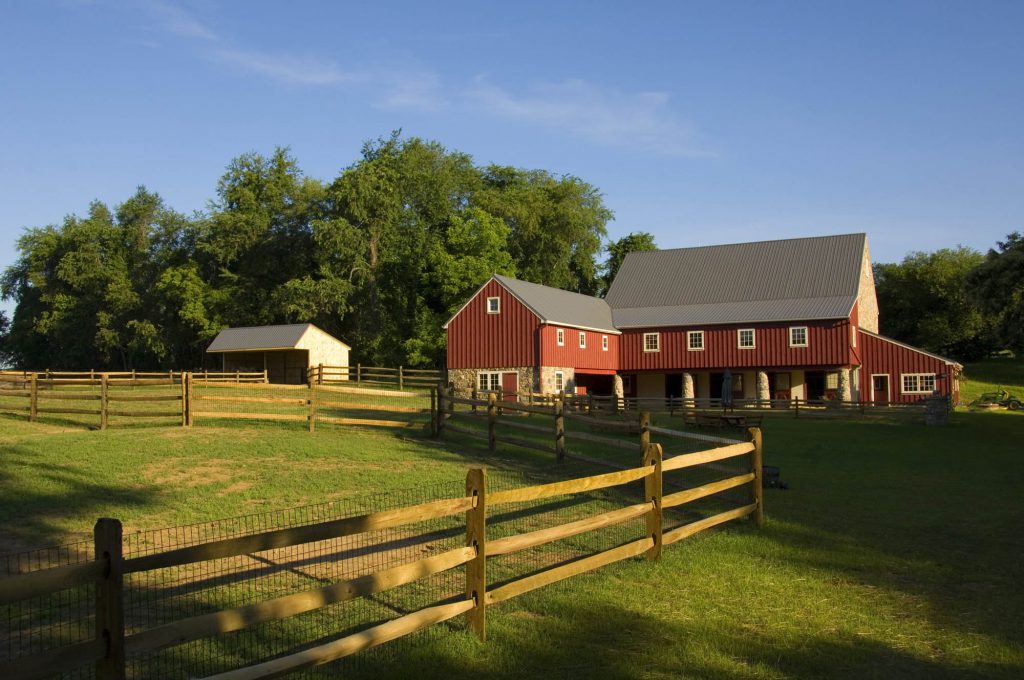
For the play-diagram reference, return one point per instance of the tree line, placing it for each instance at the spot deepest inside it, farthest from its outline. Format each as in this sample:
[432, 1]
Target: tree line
[380, 257]
[956, 302]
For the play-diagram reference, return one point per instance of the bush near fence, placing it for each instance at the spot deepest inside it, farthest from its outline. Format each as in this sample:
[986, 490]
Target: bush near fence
[227, 599]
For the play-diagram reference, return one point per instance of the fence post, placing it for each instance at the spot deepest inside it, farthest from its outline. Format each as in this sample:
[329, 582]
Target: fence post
[109, 599]
[475, 395]
[796, 408]
[188, 398]
[560, 427]
[359, 373]
[756, 465]
[401, 379]
[590, 404]
[312, 404]
[103, 401]
[320, 374]
[645, 432]
[33, 398]
[652, 491]
[501, 400]
[476, 537]
[184, 401]
[492, 421]
[440, 410]
[433, 411]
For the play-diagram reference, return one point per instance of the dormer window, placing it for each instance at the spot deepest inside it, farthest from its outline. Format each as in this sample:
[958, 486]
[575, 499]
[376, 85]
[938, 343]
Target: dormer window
[494, 305]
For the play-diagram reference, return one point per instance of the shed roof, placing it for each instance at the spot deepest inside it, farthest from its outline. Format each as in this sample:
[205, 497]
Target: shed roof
[251, 338]
[557, 306]
[804, 278]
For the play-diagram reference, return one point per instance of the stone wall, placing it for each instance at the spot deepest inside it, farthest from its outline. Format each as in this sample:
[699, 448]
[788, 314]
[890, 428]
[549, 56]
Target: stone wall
[867, 301]
[547, 379]
[465, 379]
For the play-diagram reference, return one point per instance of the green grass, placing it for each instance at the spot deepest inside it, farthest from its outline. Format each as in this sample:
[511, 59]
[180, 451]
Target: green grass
[991, 375]
[897, 551]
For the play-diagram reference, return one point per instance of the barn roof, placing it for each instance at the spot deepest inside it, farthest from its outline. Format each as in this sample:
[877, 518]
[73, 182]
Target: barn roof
[804, 278]
[252, 338]
[557, 306]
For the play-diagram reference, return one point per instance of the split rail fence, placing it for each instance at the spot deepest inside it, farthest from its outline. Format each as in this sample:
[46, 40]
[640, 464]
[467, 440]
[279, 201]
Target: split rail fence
[107, 651]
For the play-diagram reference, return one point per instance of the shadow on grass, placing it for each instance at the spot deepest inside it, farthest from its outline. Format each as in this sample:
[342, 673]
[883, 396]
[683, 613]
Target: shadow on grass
[31, 516]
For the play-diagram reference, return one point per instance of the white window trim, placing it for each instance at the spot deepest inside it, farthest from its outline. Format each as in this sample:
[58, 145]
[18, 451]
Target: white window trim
[492, 377]
[657, 342]
[689, 344]
[604, 343]
[583, 340]
[559, 378]
[935, 383]
[497, 309]
[853, 336]
[753, 338]
[807, 337]
[560, 337]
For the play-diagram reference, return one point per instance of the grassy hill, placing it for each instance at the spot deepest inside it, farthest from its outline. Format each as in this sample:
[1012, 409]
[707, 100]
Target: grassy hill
[1003, 372]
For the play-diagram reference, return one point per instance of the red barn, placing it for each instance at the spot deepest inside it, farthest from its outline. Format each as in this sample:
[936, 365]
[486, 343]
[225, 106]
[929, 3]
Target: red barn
[796, 318]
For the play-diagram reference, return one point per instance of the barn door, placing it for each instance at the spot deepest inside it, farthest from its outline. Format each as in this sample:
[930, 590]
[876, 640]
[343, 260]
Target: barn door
[880, 389]
[510, 385]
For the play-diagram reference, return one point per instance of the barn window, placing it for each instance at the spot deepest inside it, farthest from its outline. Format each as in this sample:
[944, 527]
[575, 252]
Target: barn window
[918, 383]
[493, 305]
[559, 381]
[604, 343]
[831, 381]
[695, 341]
[798, 336]
[745, 338]
[652, 342]
[489, 382]
[560, 337]
[583, 340]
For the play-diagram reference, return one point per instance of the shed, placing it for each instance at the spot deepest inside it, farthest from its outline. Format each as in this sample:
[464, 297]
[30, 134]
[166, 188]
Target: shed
[284, 352]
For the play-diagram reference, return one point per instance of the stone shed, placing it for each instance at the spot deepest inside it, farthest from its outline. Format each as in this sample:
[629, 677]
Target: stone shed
[284, 352]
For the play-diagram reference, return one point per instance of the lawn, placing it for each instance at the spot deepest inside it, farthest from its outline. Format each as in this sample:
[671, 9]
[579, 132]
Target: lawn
[990, 375]
[896, 552]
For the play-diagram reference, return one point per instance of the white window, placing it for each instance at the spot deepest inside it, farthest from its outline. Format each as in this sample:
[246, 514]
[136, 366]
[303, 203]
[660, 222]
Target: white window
[559, 381]
[560, 337]
[853, 336]
[493, 305]
[798, 336]
[918, 383]
[652, 342]
[604, 343]
[695, 341]
[489, 382]
[745, 338]
[831, 381]
[583, 340]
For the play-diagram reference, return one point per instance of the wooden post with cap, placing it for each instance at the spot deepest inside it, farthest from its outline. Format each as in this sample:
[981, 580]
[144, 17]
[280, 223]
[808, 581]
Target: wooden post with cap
[757, 467]
[476, 537]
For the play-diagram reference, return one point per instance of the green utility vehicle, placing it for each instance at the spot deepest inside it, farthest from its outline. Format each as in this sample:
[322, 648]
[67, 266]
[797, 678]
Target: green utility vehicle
[1000, 398]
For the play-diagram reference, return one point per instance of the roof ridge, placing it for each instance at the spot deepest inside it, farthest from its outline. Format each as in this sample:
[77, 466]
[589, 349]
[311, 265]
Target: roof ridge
[747, 243]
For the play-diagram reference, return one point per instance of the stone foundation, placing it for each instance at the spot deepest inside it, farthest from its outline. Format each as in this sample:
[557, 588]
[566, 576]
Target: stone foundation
[547, 379]
[465, 379]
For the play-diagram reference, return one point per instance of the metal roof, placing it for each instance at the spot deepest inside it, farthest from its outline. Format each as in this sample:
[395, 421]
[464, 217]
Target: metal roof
[260, 338]
[557, 306]
[805, 278]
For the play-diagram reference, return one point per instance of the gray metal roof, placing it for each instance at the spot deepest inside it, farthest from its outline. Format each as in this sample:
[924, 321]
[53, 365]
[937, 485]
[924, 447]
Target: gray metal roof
[805, 278]
[557, 306]
[258, 337]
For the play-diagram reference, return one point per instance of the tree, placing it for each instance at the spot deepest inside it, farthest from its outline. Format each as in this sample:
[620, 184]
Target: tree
[925, 301]
[998, 288]
[6, 356]
[617, 251]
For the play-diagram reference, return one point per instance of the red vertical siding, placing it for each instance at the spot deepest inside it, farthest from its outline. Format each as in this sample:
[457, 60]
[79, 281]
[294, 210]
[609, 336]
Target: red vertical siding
[571, 355]
[477, 339]
[828, 344]
[882, 356]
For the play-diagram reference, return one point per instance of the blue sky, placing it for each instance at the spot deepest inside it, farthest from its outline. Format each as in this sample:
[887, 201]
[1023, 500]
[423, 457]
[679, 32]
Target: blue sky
[702, 123]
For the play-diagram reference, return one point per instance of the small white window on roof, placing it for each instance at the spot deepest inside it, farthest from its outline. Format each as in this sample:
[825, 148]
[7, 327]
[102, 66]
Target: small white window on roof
[560, 337]
[493, 305]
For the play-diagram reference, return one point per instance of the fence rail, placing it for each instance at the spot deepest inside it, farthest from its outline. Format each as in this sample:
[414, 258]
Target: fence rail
[400, 377]
[107, 571]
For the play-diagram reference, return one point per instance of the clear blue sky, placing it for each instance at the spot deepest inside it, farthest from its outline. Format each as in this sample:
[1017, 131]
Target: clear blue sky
[702, 123]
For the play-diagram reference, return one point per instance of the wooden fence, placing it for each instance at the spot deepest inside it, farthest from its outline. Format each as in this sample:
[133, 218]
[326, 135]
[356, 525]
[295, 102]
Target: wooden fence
[192, 397]
[401, 377]
[110, 646]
